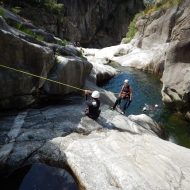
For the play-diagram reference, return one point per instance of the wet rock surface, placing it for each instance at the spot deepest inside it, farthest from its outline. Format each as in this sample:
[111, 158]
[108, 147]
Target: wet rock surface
[112, 152]
[162, 47]
[30, 57]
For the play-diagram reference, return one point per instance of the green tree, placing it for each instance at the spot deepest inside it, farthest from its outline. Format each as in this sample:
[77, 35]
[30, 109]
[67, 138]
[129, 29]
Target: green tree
[50, 5]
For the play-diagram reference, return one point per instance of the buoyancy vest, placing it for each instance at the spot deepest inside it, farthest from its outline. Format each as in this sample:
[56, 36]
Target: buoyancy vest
[126, 91]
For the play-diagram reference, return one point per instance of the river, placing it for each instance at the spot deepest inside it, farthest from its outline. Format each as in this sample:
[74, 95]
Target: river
[147, 93]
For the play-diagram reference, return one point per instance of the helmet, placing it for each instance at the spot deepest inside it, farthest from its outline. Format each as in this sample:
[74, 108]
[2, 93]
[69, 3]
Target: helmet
[156, 105]
[126, 81]
[95, 94]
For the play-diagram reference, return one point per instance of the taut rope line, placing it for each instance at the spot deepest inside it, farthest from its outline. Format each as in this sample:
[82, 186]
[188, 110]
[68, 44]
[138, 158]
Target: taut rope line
[36, 76]
[44, 78]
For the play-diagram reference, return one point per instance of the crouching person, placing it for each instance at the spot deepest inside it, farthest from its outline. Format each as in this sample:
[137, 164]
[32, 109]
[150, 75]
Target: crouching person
[93, 104]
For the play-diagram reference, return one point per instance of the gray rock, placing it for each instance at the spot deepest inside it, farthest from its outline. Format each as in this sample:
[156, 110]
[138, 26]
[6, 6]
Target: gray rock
[37, 58]
[176, 88]
[21, 54]
[101, 71]
[4, 25]
[17, 53]
[157, 28]
[72, 71]
[110, 153]
[113, 160]
[162, 46]
[11, 18]
[47, 37]
[89, 22]
[171, 26]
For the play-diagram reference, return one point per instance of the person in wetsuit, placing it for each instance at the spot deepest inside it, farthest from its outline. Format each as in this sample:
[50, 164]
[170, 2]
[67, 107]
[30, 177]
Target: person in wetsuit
[125, 94]
[93, 104]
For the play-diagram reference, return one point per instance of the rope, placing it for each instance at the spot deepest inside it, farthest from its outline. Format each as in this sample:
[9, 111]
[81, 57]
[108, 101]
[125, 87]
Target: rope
[44, 78]
[33, 75]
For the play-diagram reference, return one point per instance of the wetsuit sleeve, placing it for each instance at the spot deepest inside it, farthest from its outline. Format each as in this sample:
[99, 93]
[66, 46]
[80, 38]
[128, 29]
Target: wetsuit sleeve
[87, 93]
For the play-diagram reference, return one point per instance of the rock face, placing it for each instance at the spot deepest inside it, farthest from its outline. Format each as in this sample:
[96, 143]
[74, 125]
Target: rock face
[64, 64]
[162, 47]
[95, 23]
[110, 153]
[113, 152]
[101, 71]
[68, 70]
[21, 51]
[168, 31]
[176, 76]
[21, 54]
[126, 163]
[98, 23]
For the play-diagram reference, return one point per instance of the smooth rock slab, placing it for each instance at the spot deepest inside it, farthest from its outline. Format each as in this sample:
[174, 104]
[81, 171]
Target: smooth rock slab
[114, 152]
[119, 160]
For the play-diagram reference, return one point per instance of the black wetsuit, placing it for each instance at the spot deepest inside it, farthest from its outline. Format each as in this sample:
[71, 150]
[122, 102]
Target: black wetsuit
[93, 110]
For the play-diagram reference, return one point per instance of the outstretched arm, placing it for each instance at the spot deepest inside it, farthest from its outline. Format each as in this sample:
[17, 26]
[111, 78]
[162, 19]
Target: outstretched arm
[87, 92]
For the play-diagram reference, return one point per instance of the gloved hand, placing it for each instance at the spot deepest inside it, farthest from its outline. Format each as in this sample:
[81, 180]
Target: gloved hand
[87, 92]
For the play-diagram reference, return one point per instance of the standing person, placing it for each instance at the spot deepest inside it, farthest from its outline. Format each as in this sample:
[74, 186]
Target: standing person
[125, 94]
[93, 104]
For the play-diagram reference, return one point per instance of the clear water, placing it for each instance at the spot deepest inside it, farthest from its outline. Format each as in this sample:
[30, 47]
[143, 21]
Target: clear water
[146, 93]
[39, 177]
[43, 177]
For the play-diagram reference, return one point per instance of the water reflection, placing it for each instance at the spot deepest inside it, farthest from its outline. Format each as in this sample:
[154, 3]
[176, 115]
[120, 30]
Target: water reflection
[42, 177]
[147, 93]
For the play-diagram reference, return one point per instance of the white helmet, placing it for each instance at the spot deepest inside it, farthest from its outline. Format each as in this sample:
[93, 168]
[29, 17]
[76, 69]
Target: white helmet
[126, 81]
[156, 105]
[95, 94]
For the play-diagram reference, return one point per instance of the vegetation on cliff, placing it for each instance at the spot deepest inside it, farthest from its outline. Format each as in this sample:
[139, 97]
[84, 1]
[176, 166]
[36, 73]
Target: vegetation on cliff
[51, 6]
[162, 4]
[35, 10]
[151, 6]
[1, 12]
[30, 31]
[38, 12]
[132, 29]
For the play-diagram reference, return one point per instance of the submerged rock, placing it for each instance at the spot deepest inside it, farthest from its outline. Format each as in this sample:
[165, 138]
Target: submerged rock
[39, 176]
